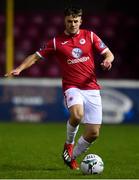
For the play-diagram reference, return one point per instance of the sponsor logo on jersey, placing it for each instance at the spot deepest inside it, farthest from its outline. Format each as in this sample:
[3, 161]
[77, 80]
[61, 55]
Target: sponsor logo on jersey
[74, 61]
[82, 41]
[102, 45]
[76, 52]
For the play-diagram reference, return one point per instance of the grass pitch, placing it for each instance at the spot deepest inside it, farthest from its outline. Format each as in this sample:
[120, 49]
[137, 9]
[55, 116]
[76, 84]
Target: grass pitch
[33, 151]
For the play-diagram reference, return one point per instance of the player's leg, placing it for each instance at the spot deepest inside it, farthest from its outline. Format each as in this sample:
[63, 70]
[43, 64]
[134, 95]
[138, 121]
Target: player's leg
[76, 114]
[90, 134]
[75, 104]
[92, 120]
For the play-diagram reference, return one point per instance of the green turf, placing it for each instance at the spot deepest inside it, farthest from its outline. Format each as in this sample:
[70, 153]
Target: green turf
[33, 151]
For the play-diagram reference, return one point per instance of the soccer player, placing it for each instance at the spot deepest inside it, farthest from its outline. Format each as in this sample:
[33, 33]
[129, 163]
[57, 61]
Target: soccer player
[75, 50]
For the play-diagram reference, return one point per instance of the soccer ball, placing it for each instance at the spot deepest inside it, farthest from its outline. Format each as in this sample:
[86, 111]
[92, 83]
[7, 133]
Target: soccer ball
[92, 164]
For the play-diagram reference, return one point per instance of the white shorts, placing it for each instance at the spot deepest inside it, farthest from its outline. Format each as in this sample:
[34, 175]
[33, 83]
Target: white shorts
[91, 101]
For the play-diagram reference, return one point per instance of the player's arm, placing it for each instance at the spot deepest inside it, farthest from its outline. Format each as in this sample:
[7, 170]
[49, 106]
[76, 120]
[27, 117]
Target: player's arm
[29, 61]
[108, 59]
[104, 51]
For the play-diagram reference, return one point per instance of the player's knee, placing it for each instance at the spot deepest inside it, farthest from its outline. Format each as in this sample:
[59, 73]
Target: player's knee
[94, 134]
[77, 115]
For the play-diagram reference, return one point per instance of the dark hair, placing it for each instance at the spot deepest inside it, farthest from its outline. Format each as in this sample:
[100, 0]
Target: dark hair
[74, 11]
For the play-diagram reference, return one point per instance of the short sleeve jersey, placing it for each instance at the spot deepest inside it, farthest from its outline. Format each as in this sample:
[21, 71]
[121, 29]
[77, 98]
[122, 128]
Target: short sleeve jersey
[75, 54]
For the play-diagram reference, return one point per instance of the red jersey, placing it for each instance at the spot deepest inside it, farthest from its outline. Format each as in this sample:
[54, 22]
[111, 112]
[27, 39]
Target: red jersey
[75, 54]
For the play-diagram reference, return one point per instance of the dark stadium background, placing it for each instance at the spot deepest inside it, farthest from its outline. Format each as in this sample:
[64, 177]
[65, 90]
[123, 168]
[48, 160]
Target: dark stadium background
[116, 22]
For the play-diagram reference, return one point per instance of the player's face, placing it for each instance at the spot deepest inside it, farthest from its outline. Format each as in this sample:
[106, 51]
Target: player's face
[72, 24]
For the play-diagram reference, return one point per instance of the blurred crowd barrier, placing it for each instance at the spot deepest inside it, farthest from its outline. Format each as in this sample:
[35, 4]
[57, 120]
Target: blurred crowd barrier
[32, 29]
[41, 100]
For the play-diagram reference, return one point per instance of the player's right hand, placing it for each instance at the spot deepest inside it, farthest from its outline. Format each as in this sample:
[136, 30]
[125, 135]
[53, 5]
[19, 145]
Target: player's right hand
[14, 72]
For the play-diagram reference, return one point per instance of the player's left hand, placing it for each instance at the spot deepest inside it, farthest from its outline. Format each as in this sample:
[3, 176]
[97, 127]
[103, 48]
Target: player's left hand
[106, 65]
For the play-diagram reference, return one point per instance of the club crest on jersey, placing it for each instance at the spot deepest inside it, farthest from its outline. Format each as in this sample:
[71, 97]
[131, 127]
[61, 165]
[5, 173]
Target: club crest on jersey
[82, 41]
[77, 52]
[102, 45]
